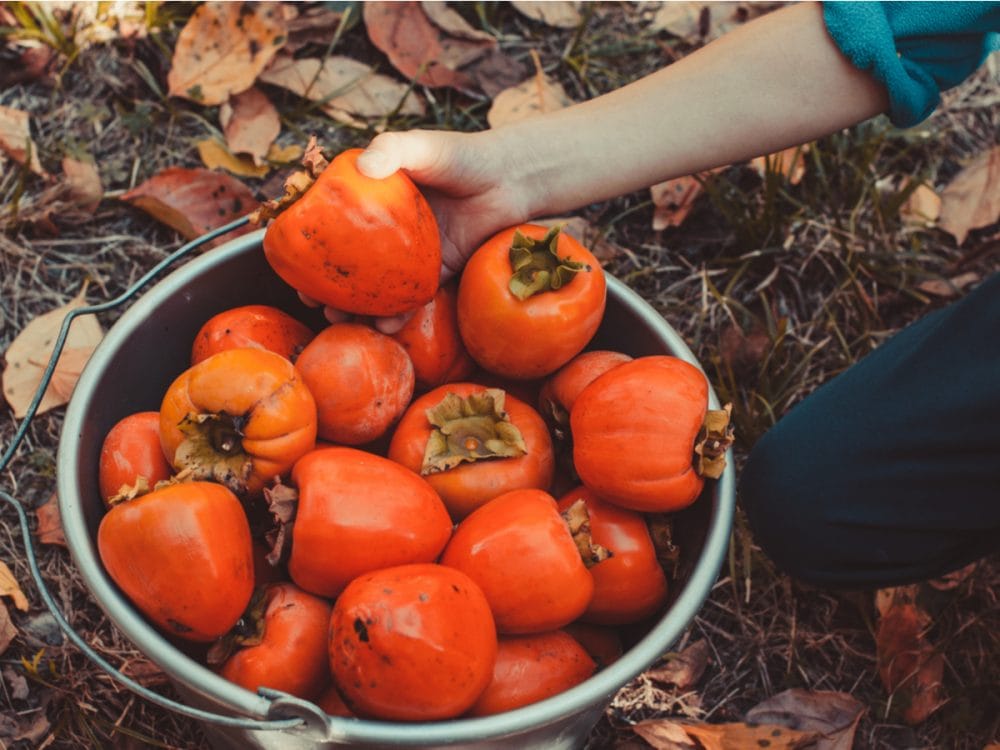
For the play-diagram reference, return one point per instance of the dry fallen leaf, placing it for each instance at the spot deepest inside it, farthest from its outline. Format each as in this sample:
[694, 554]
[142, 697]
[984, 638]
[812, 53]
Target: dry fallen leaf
[535, 96]
[834, 715]
[700, 21]
[28, 356]
[314, 25]
[909, 667]
[222, 49]
[194, 201]
[663, 734]
[953, 580]
[419, 49]
[972, 199]
[561, 14]
[9, 587]
[344, 85]
[84, 183]
[7, 630]
[450, 20]
[49, 529]
[684, 669]
[922, 208]
[215, 155]
[789, 163]
[674, 199]
[886, 598]
[250, 123]
[15, 139]
[729, 736]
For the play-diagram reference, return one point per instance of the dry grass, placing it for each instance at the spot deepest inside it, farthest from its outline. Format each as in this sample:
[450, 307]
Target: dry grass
[829, 257]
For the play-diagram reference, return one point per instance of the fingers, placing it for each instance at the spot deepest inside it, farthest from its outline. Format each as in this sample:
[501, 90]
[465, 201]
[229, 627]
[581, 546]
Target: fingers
[416, 151]
[393, 324]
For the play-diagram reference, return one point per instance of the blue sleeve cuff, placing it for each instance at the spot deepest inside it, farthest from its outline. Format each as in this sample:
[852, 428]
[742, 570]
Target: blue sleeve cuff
[915, 49]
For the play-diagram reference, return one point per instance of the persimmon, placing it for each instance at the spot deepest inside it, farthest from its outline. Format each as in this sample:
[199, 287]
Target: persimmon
[357, 512]
[602, 642]
[529, 300]
[473, 443]
[132, 458]
[183, 555]
[431, 338]
[523, 555]
[630, 584]
[240, 417]
[279, 643]
[530, 668]
[362, 381]
[361, 245]
[559, 391]
[251, 327]
[412, 643]
[638, 437]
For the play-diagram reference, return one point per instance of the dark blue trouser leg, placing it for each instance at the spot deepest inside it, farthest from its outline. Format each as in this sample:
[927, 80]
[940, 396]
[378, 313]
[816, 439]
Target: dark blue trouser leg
[889, 473]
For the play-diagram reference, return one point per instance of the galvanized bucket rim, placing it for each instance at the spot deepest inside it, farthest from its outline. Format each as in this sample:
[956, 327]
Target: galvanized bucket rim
[597, 690]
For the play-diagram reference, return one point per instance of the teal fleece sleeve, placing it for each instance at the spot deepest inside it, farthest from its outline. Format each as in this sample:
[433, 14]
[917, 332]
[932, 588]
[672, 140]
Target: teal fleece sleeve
[916, 49]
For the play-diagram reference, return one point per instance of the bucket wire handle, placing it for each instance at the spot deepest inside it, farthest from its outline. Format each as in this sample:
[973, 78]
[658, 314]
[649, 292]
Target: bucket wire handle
[29, 547]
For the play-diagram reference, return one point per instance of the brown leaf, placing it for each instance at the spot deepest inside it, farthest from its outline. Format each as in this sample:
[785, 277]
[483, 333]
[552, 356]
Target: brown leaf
[949, 287]
[536, 96]
[972, 199]
[682, 19]
[684, 669]
[834, 715]
[496, 71]
[315, 25]
[222, 49]
[49, 529]
[449, 20]
[789, 163]
[194, 201]
[700, 21]
[344, 86]
[730, 736]
[664, 734]
[673, 201]
[7, 630]
[84, 183]
[17, 684]
[909, 667]
[743, 352]
[558, 13]
[28, 356]
[417, 48]
[886, 598]
[215, 155]
[922, 208]
[250, 123]
[145, 672]
[15, 139]
[9, 587]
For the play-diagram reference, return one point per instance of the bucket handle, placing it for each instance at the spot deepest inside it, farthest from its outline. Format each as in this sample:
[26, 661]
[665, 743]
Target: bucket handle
[276, 699]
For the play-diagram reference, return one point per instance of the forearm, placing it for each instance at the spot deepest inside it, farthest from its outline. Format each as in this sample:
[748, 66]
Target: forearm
[776, 82]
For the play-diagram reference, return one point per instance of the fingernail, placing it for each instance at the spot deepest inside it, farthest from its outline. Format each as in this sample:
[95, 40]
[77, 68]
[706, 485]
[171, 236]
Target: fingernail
[373, 164]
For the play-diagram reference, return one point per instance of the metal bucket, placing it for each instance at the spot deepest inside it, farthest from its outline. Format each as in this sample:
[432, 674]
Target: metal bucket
[131, 369]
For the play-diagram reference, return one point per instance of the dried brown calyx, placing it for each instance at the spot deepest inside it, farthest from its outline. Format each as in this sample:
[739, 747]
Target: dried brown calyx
[282, 503]
[470, 429]
[296, 185]
[714, 439]
[577, 518]
[213, 449]
[248, 631]
[537, 267]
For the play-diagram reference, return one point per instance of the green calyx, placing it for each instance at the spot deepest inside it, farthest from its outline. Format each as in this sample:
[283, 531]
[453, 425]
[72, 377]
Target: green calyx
[537, 266]
[470, 429]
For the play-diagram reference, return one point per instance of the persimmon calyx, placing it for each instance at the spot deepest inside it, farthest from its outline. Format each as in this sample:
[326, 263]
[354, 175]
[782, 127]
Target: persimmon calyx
[212, 449]
[661, 532]
[716, 435]
[282, 503]
[296, 184]
[537, 267]
[470, 429]
[577, 519]
[248, 631]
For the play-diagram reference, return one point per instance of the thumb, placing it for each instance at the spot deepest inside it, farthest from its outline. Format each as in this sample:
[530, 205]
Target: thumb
[416, 151]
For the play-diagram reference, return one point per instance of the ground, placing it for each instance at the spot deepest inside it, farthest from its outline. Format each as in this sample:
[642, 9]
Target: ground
[775, 286]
